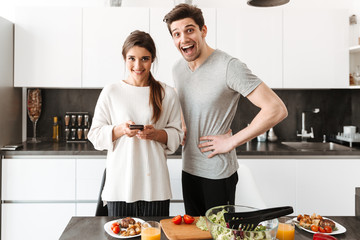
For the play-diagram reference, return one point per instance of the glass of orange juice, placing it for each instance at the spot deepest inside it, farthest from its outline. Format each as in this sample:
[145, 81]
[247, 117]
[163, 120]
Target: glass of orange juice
[286, 229]
[150, 230]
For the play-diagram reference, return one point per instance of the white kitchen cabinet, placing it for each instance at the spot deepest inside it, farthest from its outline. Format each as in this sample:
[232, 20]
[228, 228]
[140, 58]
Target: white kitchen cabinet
[327, 186]
[175, 172]
[255, 37]
[35, 221]
[89, 173]
[167, 52]
[48, 47]
[274, 179]
[316, 53]
[45, 179]
[104, 33]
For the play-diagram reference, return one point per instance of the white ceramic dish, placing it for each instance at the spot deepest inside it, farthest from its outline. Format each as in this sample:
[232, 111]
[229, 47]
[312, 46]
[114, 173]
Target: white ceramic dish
[107, 228]
[340, 229]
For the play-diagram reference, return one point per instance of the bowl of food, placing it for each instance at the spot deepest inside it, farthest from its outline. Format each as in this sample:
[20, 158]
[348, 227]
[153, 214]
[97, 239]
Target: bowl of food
[219, 229]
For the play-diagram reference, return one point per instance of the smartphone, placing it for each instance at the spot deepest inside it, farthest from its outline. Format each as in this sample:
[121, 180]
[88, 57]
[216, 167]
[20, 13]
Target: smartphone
[136, 126]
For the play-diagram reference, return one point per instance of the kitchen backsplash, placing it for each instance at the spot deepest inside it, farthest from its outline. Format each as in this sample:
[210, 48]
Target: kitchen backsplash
[337, 108]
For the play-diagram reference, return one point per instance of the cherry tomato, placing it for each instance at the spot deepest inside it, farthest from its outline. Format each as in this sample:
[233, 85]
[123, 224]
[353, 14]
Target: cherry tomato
[116, 229]
[314, 228]
[177, 219]
[328, 229]
[322, 230]
[188, 219]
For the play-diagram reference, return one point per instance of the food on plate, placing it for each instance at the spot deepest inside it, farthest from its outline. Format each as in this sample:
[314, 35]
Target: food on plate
[126, 227]
[320, 236]
[316, 223]
[177, 220]
[115, 227]
[125, 222]
[188, 219]
[326, 222]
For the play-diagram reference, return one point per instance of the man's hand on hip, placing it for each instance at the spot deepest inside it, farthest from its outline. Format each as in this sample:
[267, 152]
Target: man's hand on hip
[217, 144]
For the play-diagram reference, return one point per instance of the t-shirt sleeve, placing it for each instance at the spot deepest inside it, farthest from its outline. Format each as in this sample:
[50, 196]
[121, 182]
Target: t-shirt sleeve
[240, 78]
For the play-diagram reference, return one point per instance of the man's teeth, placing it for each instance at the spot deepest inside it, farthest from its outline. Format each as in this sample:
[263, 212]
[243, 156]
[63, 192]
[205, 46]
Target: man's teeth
[186, 47]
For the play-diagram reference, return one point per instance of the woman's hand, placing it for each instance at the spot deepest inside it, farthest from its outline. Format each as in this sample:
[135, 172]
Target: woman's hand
[151, 133]
[123, 129]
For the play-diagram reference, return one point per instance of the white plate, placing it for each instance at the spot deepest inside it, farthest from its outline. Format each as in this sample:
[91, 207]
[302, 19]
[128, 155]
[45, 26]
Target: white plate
[340, 229]
[107, 228]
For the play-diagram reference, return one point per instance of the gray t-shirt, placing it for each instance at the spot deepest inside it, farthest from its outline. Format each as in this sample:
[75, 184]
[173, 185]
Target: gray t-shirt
[209, 98]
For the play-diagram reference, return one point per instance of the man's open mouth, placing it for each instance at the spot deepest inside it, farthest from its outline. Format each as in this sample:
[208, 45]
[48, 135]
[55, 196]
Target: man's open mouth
[187, 48]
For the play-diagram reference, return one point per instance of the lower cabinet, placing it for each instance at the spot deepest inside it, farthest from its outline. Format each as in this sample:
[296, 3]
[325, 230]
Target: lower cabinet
[35, 221]
[321, 186]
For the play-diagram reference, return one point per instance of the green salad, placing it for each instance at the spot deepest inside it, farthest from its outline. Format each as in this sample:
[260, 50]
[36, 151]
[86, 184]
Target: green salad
[221, 232]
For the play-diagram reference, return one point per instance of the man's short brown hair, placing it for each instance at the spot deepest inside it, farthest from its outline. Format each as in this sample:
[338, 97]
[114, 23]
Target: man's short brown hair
[182, 11]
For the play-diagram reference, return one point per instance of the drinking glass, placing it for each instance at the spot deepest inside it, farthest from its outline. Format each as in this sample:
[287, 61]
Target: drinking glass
[34, 109]
[286, 229]
[150, 230]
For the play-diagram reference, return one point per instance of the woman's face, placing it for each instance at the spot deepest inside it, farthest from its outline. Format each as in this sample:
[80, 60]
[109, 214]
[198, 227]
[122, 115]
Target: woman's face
[138, 63]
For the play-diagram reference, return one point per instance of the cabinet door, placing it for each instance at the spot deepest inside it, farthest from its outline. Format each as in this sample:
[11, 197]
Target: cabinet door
[35, 221]
[104, 33]
[167, 53]
[48, 47]
[327, 186]
[38, 179]
[316, 48]
[89, 174]
[255, 37]
[274, 180]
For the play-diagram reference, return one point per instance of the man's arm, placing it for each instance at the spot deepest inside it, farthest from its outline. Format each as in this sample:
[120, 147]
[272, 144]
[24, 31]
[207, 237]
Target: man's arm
[272, 111]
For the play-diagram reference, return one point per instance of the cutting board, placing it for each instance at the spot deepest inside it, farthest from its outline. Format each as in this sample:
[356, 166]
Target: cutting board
[183, 231]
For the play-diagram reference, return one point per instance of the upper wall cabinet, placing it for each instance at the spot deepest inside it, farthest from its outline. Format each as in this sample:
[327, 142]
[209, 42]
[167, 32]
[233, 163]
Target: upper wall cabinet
[255, 37]
[167, 52]
[316, 53]
[48, 47]
[104, 33]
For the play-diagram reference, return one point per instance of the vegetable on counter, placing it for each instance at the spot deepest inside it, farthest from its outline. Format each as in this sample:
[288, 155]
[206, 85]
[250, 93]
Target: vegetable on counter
[188, 219]
[177, 220]
[320, 236]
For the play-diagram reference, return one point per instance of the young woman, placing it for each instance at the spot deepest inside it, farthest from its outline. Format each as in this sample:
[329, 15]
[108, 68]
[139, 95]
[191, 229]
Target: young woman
[137, 179]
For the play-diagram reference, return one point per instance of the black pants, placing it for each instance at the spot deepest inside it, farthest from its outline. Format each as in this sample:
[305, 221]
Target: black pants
[139, 208]
[200, 194]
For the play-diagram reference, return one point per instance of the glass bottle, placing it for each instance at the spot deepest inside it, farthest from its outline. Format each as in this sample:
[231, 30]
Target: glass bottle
[56, 130]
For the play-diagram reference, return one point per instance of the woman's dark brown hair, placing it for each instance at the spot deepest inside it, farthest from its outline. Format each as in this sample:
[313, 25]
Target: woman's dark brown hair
[144, 40]
[182, 11]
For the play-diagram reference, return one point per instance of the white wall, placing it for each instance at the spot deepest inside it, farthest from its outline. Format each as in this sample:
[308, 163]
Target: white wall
[7, 7]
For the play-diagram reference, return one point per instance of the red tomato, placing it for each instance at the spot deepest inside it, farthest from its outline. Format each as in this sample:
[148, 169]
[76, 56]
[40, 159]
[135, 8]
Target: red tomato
[314, 228]
[328, 229]
[116, 229]
[177, 219]
[188, 219]
[322, 230]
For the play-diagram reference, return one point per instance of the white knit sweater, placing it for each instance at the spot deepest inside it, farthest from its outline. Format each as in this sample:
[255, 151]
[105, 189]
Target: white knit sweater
[135, 169]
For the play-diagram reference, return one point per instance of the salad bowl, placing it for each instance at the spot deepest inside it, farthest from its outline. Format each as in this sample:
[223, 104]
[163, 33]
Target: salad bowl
[219, 230]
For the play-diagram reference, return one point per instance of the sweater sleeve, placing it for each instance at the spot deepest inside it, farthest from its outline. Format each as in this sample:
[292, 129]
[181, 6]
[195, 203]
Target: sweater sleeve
[173, 126]
[100, 134]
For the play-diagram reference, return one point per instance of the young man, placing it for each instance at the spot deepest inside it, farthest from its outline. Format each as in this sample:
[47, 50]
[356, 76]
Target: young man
[209, 83]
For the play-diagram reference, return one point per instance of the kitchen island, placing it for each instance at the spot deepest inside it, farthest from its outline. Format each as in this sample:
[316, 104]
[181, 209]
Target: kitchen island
[92, 228]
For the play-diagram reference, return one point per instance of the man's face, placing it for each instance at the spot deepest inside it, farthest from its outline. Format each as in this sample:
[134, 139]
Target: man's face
[188, 38]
